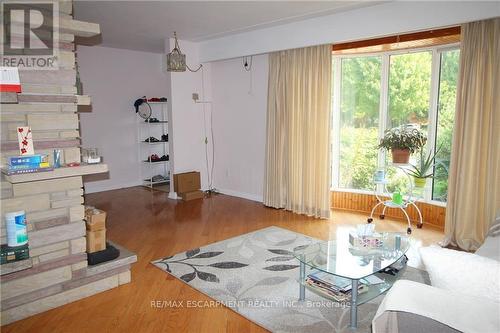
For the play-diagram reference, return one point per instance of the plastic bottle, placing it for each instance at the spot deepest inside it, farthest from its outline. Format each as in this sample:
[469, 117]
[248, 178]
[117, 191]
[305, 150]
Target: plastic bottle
[17, 234]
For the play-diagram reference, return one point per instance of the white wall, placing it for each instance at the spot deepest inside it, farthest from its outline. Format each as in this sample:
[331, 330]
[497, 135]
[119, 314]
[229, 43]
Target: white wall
[239, 121]
[239, 116]
[187, 117]
[369, 22]
[115, 78]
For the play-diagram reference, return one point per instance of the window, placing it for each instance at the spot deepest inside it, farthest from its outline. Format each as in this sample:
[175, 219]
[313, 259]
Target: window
[445, 116]
[360, 99]
[372, 93]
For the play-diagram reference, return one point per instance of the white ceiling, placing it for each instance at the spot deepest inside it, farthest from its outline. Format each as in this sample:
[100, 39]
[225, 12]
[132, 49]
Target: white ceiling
[143, 25]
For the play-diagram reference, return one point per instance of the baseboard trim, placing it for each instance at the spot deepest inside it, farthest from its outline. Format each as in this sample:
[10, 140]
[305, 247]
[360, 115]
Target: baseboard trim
[243, 195]
[110, 188]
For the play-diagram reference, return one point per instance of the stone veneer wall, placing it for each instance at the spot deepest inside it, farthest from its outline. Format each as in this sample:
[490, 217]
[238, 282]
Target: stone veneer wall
[54, 207]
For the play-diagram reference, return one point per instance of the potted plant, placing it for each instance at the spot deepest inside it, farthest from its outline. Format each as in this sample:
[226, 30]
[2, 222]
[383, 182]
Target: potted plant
[402, 141]
[424, 169]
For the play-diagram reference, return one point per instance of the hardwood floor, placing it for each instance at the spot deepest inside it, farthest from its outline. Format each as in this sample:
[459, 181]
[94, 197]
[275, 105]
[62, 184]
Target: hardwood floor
[153, 226]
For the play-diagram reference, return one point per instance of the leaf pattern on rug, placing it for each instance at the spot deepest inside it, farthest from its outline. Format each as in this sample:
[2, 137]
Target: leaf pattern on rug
[196, 254]
[272, 281]
[280, 258]
[207, 255]
[188, 277]
[234, 286]
[228, 264]
[280, 251]
[191, 253]
[300, 247]
[245, 252]
[286, 242]
[209, 277]
[280, 267]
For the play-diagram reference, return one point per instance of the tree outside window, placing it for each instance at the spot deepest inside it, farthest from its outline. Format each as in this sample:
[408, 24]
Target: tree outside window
[408, 91]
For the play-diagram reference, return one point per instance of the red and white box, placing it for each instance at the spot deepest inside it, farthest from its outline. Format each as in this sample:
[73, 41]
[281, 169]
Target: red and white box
[9, 80]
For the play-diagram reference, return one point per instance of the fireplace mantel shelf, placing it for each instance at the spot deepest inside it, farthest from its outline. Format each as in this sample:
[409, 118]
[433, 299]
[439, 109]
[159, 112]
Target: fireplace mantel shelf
[83, 169]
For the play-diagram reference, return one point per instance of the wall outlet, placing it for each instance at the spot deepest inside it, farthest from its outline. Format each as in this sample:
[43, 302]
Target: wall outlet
[196, 97]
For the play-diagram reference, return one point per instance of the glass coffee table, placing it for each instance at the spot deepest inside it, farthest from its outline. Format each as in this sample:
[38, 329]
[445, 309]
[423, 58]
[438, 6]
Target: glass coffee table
[343, 261]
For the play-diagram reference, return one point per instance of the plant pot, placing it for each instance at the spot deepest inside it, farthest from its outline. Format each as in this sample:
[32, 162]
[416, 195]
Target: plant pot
[401, 156]
[419, 182]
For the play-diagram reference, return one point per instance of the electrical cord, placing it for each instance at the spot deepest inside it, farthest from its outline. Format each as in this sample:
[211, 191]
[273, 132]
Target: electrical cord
[210, 170]
[195, 70]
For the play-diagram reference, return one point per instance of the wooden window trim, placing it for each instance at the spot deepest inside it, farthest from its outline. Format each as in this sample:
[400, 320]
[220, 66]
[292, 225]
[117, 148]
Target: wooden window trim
[446, 35]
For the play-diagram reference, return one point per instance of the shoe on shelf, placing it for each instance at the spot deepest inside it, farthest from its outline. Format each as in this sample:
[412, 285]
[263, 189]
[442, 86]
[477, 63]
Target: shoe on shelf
[164, 158]
[158, 178]
[163, 99]
[152, 120]
[151, 139]
[153, 158]
[164, 138]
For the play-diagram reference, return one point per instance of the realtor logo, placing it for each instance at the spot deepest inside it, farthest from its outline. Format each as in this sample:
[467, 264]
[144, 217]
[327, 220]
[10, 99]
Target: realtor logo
[30, 34]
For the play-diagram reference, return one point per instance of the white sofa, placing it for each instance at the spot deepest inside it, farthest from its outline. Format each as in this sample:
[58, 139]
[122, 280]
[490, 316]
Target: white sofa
[447, 306]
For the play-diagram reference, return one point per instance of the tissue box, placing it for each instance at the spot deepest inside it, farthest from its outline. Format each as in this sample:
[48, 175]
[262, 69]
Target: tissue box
[371, 242]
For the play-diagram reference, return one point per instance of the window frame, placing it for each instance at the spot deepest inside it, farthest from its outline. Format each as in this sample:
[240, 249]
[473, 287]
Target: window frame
[436, 52]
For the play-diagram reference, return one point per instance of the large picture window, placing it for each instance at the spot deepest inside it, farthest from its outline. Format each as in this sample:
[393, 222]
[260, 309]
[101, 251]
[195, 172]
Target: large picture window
[359, 117]
[372, 93]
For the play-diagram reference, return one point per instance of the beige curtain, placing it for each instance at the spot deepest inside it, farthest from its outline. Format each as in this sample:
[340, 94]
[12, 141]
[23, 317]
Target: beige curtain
[474, 179]
[298, 131]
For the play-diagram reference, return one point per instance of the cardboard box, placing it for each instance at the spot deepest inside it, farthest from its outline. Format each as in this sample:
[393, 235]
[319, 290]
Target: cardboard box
[187, 182]
[187, 196]
[95, 219]
[96, 240]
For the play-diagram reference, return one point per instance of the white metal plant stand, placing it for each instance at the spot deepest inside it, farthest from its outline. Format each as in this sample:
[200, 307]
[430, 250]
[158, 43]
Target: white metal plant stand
[408, 200]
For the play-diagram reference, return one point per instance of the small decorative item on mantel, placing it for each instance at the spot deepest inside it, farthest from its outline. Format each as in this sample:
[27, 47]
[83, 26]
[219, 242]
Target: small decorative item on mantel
[17, 233]
[57, 158]
[27, 164]
[25, 139]
[10, 254]
[90, 156]
[9, 80]
[16, 248]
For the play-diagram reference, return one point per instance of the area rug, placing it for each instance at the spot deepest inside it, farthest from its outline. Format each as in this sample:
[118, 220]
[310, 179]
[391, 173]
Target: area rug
[256, 275]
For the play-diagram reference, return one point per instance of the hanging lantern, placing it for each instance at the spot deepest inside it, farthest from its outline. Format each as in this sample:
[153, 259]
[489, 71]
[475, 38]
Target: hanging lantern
[176, 61]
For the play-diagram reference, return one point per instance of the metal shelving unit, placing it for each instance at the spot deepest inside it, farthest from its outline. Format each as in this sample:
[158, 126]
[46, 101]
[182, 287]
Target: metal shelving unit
[146, 130]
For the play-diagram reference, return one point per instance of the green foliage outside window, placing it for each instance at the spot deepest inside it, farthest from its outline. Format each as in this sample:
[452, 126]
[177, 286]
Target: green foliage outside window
[408, 103]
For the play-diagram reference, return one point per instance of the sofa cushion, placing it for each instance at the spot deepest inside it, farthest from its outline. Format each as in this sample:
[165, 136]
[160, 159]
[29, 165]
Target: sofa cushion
[490, 248]
[461, 312]
[462, 272]
[491, 245]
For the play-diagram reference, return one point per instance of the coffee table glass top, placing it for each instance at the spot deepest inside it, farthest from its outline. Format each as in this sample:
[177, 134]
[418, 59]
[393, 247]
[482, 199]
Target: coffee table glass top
[340, 258]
